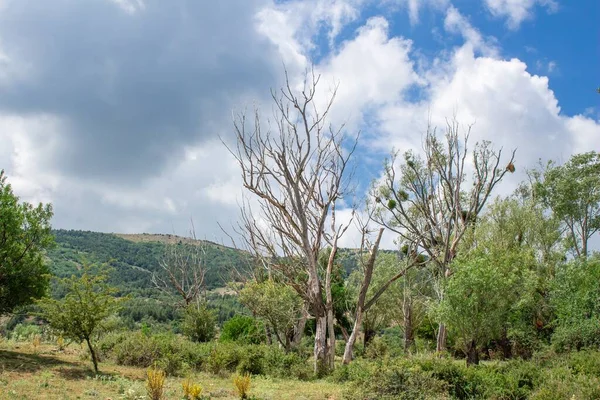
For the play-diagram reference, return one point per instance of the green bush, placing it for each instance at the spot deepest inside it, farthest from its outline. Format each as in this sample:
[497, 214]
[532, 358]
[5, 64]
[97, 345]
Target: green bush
[391, 381]
[242, 329]
[577, 335]
[199, 323]
[25, 332]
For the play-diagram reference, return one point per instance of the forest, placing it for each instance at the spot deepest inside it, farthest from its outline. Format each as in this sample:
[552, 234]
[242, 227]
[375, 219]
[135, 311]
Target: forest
[487, 295]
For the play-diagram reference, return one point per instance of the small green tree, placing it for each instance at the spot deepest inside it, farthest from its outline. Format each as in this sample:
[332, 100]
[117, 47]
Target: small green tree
[482, 294]
[243, 329]
[25, 234]
[276, 304]
[89, 303]
[199, 323]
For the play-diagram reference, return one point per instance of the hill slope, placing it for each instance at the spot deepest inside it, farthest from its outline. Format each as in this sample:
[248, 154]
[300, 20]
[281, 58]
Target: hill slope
[135, 257]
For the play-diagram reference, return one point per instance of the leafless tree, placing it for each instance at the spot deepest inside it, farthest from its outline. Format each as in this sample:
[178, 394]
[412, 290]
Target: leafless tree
[182, 269]
[428, 200]
[296, 169]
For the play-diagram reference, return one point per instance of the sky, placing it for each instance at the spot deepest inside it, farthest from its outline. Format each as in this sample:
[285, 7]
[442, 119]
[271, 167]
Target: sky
[115, 110]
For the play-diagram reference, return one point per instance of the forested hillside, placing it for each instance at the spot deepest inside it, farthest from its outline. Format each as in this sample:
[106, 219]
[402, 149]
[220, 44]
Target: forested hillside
[135, 259]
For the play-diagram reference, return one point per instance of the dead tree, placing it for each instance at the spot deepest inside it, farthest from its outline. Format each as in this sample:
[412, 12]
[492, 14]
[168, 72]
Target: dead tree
[428, 200]
[182, 269]
[295, 169]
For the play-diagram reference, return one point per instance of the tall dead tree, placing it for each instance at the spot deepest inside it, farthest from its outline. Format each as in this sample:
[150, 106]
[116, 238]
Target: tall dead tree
[295, 170]
[429, 200]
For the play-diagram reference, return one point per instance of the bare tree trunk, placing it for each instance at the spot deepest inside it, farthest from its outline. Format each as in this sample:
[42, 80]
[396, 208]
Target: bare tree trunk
[92, 354]
[441, 338]
[320, 351]
[409, 335]
[329, 303]
[360, 306]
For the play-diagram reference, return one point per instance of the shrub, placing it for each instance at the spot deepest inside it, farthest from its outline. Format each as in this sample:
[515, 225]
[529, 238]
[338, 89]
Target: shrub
[25, 332]
[242, 329]
[199, 324]
[242, 385]
[398, 382]
[155, 383]
[191, 391]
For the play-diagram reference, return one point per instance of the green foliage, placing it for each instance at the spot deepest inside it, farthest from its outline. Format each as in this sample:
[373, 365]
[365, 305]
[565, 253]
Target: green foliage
[572, 192]
[435, 378]
[277, 304]
[25, 332]
[26, 235]
[484, 292]
[199, 323]
[575, 298]
[84, 310]
[242, 329]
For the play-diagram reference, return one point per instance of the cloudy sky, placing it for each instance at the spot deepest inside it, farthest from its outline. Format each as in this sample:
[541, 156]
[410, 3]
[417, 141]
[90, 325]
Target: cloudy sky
[112, 109]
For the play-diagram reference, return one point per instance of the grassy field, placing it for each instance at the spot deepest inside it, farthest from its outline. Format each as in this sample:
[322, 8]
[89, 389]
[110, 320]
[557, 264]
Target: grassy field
[45, 372]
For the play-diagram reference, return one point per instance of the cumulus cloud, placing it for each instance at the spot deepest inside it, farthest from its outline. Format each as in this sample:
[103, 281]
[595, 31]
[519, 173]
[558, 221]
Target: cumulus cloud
[517, 11]
[111, 110]
[132, 82]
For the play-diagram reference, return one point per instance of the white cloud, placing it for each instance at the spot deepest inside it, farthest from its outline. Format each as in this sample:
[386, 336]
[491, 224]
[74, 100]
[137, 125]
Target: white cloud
[455, 22]
[517, 11]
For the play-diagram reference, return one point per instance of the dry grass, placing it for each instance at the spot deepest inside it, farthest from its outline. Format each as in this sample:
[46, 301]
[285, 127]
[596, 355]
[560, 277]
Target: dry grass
[64, 375]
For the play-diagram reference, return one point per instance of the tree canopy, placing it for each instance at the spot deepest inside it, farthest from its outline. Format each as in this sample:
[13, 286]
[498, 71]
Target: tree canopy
[25, 235]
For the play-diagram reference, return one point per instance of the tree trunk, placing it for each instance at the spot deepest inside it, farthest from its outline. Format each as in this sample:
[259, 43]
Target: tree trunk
[409, 335]
[329, 308]
[352, 338]
[505, 345]
[360, 306]
[299, 328]
[369, 335]
[268, 334]
[472, 354]
[93, 354]
[320, 351]
[441, 339]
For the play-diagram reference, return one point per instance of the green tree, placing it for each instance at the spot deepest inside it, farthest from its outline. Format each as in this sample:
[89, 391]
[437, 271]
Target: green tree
[575, 298]
[86, 308]
[484, 291]
[572, 192]
[277, 304]
[25, 234]
[243, 329]
[199, 323]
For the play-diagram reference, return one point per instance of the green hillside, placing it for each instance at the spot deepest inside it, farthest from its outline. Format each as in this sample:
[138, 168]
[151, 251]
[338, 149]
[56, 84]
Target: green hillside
[134, 258]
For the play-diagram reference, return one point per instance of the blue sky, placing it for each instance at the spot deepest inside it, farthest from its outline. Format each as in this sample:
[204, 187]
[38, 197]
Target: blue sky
[113, 110]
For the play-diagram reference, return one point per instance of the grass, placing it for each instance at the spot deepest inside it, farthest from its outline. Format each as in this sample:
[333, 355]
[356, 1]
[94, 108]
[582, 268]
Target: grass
[47, 373]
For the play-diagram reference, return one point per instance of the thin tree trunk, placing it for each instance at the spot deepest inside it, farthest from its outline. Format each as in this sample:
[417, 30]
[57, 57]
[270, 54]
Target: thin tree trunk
[299, 328]
[93, 354]
[360, 306]
[441, 338]
[329, 307]
[268, 334]
[409, 336]
[472, 354]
